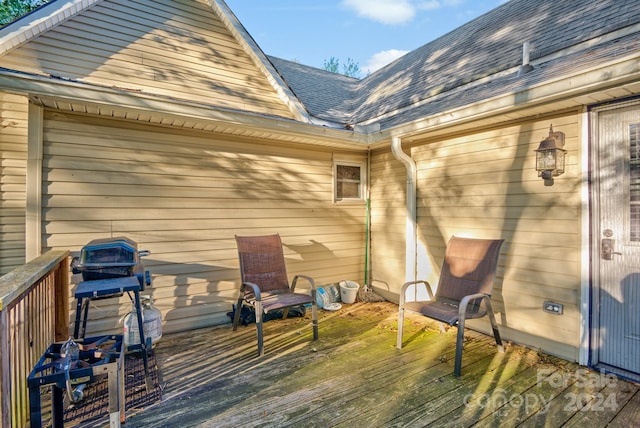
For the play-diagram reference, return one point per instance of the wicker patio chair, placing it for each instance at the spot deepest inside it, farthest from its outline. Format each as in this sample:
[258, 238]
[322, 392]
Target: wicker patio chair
[265, 285]
[463, 292]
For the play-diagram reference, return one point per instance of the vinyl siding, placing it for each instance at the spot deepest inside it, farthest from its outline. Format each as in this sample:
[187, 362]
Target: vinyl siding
[13, 169]
[176, 49]
[485, 185]
[388, 226]
[183, 196]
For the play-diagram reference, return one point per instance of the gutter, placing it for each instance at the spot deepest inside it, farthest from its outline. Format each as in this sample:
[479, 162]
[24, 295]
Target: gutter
[76, 92]
[411, 212]
[563, 90]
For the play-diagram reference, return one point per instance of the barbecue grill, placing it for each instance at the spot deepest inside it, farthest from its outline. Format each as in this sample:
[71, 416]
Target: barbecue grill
[111, 267]
[110, 258]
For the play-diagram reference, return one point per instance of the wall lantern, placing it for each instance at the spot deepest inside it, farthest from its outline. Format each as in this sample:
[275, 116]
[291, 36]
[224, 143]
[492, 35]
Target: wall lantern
[550, 155]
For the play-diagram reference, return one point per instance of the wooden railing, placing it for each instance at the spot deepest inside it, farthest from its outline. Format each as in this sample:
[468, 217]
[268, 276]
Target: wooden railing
[34, 312]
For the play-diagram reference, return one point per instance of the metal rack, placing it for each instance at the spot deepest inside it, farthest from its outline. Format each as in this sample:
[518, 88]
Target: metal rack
[98, 356]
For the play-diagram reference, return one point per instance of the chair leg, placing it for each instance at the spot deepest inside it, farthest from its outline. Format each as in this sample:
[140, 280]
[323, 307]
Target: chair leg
[459, 346]
[258, 307]
[236, 316]
[494, 326]
[400, 327]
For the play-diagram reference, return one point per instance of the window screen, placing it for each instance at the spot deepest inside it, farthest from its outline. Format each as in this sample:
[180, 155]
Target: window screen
[348, 182]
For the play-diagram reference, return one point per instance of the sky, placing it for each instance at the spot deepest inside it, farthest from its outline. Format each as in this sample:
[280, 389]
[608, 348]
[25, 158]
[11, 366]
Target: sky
[372, 33]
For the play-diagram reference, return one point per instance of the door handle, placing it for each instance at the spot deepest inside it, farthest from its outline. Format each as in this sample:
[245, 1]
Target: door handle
[607, 248]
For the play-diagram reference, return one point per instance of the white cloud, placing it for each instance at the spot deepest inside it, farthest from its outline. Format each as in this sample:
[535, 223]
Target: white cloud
[429, 5]
[384, 11]
[437, 4]
[382, 58]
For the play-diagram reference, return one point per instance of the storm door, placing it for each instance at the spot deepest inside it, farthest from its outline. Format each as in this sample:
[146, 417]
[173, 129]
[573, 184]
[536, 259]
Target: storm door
[615, 340]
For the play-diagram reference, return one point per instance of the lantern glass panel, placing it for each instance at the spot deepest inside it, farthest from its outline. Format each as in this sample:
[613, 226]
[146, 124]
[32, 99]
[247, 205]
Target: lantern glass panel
[560, 162]
[546, 160]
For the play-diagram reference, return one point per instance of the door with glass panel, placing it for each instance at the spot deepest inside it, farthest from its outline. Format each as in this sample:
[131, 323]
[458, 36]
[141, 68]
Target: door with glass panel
[615, 340]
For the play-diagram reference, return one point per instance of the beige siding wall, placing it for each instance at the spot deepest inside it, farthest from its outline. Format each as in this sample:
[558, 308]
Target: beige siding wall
[485, 185]
[184, 196]
[388, 214]
[13, 170]
[178, 49]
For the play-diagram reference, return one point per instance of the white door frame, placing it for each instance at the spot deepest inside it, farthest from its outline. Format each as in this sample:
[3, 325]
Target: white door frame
[591, 228]
[586, 252]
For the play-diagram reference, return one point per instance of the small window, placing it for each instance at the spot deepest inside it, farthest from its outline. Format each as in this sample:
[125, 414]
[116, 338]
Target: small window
[349, 181]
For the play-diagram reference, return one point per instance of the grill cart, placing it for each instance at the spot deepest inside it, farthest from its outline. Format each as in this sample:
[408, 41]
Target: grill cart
[111, 267]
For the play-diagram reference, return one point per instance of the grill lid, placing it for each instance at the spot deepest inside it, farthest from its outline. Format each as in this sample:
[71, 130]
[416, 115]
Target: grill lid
[108, 252]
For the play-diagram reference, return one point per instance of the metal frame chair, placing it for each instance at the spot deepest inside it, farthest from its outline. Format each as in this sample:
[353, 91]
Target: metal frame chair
[265, 285]
[463, 292]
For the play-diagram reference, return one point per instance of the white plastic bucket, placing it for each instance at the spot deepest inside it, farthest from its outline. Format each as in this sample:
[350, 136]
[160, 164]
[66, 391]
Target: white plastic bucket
[348, 291]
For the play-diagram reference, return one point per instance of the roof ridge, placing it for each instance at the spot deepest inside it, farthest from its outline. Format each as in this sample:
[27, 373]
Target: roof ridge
[317, 69]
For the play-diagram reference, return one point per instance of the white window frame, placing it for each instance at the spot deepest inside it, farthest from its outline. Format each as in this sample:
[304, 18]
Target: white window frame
[363, 181]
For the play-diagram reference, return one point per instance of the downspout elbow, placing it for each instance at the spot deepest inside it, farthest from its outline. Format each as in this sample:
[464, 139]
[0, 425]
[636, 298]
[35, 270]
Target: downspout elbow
[407, 161]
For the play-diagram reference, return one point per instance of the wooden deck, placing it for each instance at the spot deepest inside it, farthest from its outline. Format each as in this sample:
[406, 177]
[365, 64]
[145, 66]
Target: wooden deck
[353, 376]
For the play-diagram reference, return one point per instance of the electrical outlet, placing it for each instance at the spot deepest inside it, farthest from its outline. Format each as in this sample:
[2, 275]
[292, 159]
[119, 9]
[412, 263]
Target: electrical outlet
[553, 308]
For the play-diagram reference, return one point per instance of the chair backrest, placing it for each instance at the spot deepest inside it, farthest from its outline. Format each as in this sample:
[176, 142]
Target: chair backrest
[469, 267]
[262, 262]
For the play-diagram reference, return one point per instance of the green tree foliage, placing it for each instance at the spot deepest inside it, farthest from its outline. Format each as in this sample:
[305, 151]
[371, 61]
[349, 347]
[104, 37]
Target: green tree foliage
[332, 64]
[351, 68]
[10, 10]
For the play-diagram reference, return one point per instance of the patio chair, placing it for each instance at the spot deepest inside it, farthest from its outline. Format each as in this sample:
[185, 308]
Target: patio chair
[265, 285]
[464, 290]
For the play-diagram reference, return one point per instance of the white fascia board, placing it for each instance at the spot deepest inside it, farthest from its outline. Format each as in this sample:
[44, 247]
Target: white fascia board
[41, 20]
[587, 81]
[79, 93]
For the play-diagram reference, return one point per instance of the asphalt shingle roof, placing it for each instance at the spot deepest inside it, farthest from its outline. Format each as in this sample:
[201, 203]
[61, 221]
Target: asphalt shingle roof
[325, 95]
[476, 61]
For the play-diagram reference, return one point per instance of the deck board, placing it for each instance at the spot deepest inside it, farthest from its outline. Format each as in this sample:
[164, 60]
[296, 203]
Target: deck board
[354, 376]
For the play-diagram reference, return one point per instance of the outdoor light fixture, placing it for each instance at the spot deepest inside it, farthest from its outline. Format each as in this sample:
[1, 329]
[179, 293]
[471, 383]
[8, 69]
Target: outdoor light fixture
[550, 155]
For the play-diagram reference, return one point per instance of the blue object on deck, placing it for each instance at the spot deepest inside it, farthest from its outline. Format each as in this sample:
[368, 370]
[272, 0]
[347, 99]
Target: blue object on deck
[103, 355]
[107, 287]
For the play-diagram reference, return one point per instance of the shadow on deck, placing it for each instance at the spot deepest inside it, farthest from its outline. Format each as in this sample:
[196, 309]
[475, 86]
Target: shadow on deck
[353, 376]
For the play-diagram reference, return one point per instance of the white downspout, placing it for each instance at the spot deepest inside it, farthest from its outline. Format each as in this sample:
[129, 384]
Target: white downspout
[411, 218]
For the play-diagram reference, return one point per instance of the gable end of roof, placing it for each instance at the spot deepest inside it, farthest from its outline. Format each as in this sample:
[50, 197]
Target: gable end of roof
[43, 19]
[252, 49]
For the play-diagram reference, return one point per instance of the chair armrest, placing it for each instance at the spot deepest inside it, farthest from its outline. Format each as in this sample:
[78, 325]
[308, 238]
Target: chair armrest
[403, 290]
[308, 278]
[462, 309]
[254, 288]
